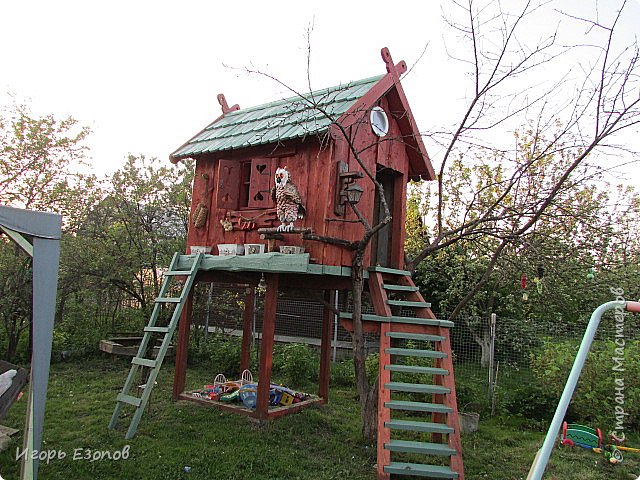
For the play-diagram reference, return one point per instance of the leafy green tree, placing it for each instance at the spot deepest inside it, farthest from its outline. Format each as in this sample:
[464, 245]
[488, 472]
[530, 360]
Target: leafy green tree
[585, 228]
[131, 235]
[40, 159]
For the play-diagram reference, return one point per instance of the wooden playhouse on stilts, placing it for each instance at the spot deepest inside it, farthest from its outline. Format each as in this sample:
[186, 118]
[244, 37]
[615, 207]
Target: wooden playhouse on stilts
[243, 159]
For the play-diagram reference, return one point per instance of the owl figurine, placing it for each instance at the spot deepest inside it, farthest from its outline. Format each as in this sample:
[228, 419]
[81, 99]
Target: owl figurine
[288, 202]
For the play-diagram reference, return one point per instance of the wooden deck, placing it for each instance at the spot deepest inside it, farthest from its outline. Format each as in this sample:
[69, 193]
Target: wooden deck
[266, 262]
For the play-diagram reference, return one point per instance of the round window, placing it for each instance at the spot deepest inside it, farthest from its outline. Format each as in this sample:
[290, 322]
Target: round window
[379, 121]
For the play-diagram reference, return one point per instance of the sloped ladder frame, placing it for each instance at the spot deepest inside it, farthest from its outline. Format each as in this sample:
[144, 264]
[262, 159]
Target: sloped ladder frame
[382, 307]
[138, 362]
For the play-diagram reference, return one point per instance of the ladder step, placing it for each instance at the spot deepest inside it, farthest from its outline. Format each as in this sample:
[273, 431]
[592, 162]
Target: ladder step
[416, 388]
[412, 352]
[131, 400]
[417, 406]
[416, 336]
[173, 273]
[416, 369]
[156, 329]
[168, 300]
[145, 362]
[397, 319]
[400, 288]
[420, 470]
[425, 448]
[414, 426]
[393, 271]
[405, 303]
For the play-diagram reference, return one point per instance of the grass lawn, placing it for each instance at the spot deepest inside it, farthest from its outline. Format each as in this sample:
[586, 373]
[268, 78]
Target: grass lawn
[321, 442]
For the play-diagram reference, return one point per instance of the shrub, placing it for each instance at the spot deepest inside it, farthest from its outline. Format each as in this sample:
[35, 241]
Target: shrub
[222, 352]
[596, 397]
[298, 363]
[343, 373]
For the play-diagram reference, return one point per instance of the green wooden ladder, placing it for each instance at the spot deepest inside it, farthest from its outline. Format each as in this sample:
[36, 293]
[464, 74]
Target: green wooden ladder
[406, 320]
[125, 397]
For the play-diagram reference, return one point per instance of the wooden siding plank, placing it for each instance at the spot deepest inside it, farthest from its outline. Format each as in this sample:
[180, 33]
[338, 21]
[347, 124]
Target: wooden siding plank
[333, 254]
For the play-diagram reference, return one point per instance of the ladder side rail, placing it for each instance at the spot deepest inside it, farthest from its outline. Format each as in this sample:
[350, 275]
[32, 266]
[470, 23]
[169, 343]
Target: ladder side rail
[153, 375]
[133, 371]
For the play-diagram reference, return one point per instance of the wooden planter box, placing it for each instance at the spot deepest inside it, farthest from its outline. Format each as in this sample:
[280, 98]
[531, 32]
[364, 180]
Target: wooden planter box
[128, 347]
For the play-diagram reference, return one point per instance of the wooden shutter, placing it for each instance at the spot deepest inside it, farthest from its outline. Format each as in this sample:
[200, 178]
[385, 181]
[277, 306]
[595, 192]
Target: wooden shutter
[228, 184]
[261, 183]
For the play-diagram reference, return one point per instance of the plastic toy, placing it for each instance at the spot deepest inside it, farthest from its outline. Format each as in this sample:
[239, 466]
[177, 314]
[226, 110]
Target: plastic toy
[248, 395]
[574, 434]
[586, 437]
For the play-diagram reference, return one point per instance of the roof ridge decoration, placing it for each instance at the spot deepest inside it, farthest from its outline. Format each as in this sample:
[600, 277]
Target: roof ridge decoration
[225, 106]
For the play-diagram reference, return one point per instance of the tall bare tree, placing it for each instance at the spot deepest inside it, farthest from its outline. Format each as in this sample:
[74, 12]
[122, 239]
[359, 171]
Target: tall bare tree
[573, 118]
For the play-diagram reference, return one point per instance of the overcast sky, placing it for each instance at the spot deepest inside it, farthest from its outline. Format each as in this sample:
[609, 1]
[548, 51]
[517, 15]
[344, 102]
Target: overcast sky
[144, 75]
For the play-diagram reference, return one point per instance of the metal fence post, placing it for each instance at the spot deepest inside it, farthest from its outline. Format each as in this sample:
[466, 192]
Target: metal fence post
[492, 347]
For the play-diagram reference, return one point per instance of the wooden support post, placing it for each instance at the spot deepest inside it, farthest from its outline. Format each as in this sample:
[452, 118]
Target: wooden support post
[266, 347]
[325, 346]
[182, 350]
[247, 328]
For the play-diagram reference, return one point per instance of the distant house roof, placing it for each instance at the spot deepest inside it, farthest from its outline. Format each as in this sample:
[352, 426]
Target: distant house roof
[276, 121]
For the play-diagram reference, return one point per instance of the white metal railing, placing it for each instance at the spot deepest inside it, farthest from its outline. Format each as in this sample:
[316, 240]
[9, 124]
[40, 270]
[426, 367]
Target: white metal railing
[542, 458]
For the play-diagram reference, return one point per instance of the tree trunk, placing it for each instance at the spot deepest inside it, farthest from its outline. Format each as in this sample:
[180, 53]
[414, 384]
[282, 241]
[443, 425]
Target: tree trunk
[12, 346]
[366, 393]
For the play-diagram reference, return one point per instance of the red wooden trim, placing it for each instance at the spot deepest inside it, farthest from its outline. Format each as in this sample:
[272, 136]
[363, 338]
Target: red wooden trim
[367, 327]
[222, 406]
[242, 410]
[378, 295]
[416, 297]
[417, 152]
[398, 221]
[355, 113]
[182, 349]
[633, 307]
[384, 395]
[278, 412]
[266, 347]
[247, 330]
[225, 106]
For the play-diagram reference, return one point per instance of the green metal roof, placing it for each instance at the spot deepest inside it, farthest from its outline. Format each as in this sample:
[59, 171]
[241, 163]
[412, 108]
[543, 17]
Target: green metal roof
[277, 121]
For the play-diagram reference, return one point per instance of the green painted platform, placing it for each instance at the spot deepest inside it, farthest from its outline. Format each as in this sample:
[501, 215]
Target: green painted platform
[273, 262]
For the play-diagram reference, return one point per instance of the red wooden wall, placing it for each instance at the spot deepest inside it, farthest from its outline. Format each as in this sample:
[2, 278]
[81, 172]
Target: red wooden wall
[313, 169]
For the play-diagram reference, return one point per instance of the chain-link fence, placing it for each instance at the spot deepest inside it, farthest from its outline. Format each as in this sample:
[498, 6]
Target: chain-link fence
[489, 351]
